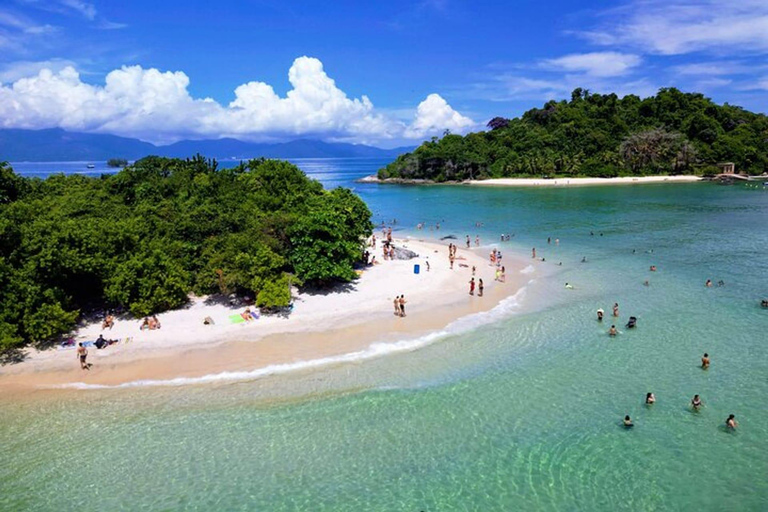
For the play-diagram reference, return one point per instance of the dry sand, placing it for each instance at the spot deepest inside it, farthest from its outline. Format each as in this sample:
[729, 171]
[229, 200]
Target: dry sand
[572, 182]
[320, 325]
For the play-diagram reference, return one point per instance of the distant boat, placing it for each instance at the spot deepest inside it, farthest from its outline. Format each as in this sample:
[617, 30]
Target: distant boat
[90, 166]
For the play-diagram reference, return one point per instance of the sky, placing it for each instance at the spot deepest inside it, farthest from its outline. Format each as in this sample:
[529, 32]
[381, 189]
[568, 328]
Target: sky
[382, 73]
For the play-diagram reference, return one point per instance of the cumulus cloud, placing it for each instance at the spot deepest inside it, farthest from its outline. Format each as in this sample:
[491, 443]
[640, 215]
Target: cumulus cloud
[157, 106]
[595, 63]
[23, 68]
[433, 115]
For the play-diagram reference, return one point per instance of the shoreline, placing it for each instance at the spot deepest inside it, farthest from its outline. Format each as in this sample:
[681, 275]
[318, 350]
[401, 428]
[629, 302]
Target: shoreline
[321, 327]
[540, 182]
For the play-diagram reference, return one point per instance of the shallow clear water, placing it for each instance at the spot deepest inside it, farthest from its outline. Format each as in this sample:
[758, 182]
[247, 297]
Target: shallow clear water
[518, 411]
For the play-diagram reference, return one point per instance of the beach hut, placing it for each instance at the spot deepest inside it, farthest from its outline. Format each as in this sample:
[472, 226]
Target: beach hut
[727, 167]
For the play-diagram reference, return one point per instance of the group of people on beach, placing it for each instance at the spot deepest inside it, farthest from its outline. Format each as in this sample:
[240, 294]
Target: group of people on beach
[480, 287]
[477, 241]
[399, 304]
[150, 323]
[451, 254]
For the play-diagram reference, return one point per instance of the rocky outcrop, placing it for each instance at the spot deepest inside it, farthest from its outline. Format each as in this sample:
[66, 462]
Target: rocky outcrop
[404, 254]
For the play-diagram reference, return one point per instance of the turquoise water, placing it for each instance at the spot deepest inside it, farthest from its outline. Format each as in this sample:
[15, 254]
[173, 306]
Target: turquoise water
[519, 409]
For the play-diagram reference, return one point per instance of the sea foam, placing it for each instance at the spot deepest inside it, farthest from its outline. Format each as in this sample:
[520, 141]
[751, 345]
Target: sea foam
[459, 326]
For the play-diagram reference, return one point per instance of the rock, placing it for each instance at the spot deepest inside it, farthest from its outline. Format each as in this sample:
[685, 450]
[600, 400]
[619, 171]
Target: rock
[404, 254]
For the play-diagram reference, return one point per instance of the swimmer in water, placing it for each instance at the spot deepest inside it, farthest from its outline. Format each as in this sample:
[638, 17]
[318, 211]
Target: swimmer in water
[705, 361]
[708, 284]
[615, 309]
[650, 399]
[628, 422]
[569, 286]
[600, 314]
[653, 268]
[612, 331]
[696, 402]
[731, 422]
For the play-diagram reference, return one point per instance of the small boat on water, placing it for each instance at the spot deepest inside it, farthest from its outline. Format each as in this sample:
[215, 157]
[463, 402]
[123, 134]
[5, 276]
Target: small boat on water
[90, 166]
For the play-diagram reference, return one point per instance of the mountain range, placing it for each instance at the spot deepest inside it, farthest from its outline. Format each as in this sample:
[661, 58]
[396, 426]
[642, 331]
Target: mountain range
[56, 144]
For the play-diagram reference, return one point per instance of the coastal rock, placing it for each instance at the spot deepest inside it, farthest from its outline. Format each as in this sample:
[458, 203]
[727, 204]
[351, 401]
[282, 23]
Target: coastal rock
[404, 254]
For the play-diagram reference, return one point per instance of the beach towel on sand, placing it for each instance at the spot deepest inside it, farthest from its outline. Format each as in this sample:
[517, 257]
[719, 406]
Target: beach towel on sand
[236, 319]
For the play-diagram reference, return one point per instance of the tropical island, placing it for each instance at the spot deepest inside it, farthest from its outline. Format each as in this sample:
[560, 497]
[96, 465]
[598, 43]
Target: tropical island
[241, 267]
[142, 240]
[598, 136]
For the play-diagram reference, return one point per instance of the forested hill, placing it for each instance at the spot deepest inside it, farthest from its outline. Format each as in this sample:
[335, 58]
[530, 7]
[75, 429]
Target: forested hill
[598, 135]
[145, 238]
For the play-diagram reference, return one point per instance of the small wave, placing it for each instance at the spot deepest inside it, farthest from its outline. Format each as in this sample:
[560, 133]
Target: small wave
[530, 269]
[459, 326]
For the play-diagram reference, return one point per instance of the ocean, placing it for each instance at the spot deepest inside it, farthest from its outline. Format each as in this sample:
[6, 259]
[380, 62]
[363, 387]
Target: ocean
[516, 409]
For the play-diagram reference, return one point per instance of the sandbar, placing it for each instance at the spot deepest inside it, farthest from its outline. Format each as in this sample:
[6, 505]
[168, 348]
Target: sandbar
[321, 325]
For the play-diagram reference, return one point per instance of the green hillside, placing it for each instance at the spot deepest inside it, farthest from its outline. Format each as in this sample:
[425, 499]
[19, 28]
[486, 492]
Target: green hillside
[598, 135]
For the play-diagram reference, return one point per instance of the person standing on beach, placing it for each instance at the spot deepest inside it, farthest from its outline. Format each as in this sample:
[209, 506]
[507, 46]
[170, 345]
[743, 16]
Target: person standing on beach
[480, 288]
[477, 240]
[397, 305]
[473, 270]
[705, 361]
[533, 253]
[402, 305]
[472, 286]
[469, 242]
[82, 354]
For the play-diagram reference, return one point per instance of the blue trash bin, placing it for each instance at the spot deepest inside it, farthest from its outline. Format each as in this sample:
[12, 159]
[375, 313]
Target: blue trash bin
[416, 268]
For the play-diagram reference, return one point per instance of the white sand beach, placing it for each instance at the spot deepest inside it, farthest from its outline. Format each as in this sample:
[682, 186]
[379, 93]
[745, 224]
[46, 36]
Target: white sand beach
[348, 318]
[573, 182]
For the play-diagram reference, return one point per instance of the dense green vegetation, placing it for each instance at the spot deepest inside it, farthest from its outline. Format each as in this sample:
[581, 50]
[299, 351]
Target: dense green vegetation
[598, 135]
[117, 162]
[144, 238]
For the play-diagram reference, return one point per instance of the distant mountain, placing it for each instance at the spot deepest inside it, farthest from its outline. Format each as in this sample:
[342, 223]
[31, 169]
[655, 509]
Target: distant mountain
[56, 144]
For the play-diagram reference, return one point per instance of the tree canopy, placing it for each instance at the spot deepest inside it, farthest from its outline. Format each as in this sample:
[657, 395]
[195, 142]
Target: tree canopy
[145, 238]
[598, 135]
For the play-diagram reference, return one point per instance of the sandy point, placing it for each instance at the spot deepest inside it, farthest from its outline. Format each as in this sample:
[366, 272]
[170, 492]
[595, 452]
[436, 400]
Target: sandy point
[320, 326]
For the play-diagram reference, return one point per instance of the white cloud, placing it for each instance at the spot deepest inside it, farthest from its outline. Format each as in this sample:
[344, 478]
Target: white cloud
[86, 9]
[761, 84]
[16, 70]
[684, 26]
[157, 106]
[433, 115]
[595, 63]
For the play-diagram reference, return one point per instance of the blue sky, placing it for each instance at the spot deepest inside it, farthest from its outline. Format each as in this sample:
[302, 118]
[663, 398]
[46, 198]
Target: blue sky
[384, 73]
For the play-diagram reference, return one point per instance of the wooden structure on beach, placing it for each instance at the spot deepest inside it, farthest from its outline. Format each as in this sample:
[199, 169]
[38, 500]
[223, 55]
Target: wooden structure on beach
[727, 168]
